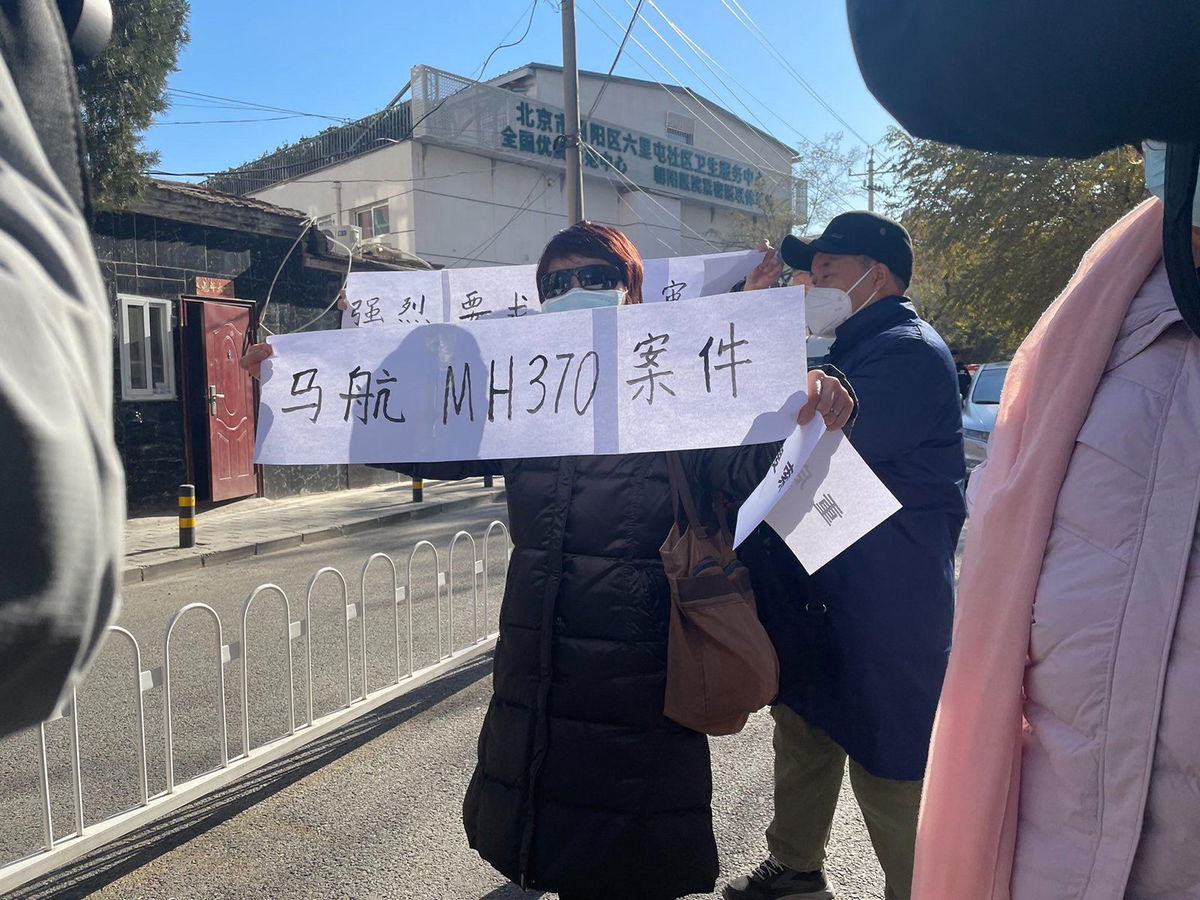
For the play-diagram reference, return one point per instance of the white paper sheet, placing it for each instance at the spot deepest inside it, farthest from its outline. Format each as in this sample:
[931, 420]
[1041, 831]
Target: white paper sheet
[404, 300]
[681, 278]
[791, 459]
[380, 300]
[491, 292]
[725, 371]
[833, 501]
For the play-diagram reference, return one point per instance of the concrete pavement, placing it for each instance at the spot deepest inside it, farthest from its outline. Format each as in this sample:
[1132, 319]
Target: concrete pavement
[256, 526]
[107, 714]
[376, 813]
[372, 811]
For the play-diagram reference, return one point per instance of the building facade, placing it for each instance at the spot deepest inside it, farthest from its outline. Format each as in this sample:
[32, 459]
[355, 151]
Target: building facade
[466, 173]
[188, 273]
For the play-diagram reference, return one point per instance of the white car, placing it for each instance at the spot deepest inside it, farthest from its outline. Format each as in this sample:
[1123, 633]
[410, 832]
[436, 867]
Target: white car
[979, 410]
[817, 349]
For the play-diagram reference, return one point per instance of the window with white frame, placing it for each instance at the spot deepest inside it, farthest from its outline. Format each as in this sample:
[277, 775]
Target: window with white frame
[147, 356]
[373, 221]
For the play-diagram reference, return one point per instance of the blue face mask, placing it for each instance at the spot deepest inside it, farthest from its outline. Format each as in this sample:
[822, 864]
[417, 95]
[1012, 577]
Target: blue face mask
[581, 298]
[1156, 175]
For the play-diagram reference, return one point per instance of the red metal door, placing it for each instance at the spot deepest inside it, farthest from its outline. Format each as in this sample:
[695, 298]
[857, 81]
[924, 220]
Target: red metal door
[229, 395]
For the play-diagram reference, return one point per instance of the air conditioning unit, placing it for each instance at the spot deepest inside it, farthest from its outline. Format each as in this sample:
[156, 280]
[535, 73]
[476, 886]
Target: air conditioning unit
[348, 235]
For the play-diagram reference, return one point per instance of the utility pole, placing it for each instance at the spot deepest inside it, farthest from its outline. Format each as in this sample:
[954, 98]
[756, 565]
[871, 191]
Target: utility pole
[573, 148]
[871, 180]
[871, 174]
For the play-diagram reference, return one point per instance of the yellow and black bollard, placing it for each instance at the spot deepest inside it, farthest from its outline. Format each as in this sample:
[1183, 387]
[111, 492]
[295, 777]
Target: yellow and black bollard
[418, 490]
[187, 515]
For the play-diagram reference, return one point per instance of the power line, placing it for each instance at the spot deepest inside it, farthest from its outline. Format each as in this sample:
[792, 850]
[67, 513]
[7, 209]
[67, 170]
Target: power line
[364, 124]
[481, 70]
[641, 190]
[528, 25]
[706, 58]
[616, 59]
[474, 254]
[737, 153]
[752, 26]
[247, 104]
[337, 180]
[699, 100]
[671, 251]
[717, 118]
[229, 121]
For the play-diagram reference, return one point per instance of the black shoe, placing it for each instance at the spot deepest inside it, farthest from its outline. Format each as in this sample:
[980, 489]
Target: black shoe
[772, 880]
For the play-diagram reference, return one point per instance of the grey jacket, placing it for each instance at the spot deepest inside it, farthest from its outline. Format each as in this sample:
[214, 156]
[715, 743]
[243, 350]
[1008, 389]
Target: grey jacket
[62, 505]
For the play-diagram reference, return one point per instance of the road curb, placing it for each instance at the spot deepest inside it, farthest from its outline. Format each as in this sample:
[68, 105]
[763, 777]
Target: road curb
[138, 574]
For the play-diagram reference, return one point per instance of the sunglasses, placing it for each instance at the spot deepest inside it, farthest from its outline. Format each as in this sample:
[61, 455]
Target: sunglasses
[596, 277]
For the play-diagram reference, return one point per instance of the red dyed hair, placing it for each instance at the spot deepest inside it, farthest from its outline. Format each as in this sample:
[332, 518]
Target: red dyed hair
[601, 242]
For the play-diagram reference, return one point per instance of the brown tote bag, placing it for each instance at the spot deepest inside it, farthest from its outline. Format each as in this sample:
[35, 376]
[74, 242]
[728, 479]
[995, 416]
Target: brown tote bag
[721, 666]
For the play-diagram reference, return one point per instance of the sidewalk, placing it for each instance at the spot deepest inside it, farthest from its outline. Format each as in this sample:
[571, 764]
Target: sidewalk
[258, 525]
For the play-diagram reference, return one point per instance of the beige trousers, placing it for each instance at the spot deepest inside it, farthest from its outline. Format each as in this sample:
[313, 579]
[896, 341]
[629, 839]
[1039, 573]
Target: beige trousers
[809, 767]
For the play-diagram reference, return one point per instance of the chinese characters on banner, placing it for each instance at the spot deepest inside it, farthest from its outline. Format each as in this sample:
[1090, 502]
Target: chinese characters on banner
[792, 457]
[402, 300]
[722, 372]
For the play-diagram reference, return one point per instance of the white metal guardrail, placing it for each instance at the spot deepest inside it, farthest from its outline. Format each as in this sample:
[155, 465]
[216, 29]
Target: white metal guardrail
[58, 851]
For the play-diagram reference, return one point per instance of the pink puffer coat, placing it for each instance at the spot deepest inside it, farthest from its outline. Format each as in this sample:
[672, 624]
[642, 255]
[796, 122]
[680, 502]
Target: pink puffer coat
[1110, 771]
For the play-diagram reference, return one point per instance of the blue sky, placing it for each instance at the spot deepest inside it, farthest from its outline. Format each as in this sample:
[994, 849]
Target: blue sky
[347, 59]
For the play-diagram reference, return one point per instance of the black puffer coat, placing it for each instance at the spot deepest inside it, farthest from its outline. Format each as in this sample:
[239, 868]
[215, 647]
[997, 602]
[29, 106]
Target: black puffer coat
[582, 785]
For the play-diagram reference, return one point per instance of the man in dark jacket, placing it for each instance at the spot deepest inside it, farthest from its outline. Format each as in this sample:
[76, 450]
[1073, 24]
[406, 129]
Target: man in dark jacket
[964, 374]
[879, 615]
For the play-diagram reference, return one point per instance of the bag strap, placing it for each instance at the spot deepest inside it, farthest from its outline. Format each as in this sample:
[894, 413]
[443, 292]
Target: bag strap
[681, 495]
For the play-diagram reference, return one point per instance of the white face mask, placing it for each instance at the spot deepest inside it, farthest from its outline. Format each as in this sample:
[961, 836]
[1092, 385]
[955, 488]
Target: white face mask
[827, 308]
[580, 298]
[1156, 175]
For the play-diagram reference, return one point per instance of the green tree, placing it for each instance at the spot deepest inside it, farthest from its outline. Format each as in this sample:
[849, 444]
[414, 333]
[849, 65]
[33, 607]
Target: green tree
[124, 89]
[998, 237]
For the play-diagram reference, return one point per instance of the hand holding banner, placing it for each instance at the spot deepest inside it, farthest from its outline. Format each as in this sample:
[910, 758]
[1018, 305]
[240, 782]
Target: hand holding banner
[829, 503]
[403, 300]
[720, 371]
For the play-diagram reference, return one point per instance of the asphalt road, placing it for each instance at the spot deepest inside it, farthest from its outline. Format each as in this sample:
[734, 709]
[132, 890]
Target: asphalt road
[108, 722]
[372, 811]
[375, 813]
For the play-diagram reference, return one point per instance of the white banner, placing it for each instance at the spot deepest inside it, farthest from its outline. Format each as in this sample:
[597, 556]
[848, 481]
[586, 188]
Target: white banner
[403, 300]
[722, 371]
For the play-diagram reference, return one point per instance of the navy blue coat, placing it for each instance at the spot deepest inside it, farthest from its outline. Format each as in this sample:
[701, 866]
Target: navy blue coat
[890, 596]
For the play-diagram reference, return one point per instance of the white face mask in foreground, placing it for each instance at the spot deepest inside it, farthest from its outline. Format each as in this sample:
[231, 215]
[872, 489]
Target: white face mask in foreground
[827, 308]
[580, 298]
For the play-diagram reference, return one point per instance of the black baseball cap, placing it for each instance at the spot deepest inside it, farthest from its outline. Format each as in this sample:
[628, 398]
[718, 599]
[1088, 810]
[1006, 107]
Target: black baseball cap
[856, 234]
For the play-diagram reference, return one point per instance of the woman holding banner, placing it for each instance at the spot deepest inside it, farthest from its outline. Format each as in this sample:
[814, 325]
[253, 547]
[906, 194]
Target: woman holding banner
[583, 786]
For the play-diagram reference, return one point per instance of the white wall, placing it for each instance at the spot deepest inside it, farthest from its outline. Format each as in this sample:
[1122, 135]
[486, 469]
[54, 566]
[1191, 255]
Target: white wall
[383, 175]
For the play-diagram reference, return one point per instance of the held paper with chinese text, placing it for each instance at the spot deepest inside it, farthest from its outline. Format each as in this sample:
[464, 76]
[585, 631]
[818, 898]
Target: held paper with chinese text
[404, 300]
[718, 371]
